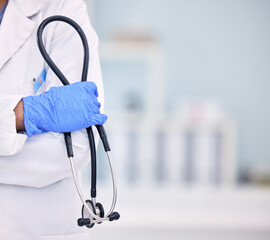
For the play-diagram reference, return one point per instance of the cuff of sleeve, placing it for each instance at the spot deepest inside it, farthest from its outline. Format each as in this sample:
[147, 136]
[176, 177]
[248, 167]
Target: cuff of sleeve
[11, 141]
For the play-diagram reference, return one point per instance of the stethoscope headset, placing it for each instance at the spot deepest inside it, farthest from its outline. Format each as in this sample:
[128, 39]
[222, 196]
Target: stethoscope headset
[92, 211]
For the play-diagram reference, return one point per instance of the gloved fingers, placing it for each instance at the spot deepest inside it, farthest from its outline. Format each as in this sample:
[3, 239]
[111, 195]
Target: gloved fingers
[83, 88]
[99, 119]
[98, 104]
[92, 104]
[92, 99]
[96, 93]
[92, 109]
[91, 88]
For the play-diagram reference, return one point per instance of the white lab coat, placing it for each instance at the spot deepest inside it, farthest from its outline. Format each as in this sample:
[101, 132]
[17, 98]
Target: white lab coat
[38, 199]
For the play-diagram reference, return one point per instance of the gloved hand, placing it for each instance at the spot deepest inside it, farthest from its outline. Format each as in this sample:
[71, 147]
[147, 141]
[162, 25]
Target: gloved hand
[63, 109]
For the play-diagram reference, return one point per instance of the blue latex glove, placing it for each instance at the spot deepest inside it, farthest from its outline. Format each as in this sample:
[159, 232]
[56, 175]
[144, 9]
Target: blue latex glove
[63, 109]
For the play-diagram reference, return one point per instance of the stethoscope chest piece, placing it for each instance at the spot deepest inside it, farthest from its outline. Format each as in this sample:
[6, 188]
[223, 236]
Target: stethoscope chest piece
[100, 211]
[87, 219]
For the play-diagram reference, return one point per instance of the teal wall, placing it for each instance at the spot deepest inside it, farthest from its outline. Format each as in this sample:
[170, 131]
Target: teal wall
[213, 49]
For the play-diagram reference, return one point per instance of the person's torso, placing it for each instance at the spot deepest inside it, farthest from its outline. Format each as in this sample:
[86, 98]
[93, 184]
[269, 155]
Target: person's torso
[20, 60]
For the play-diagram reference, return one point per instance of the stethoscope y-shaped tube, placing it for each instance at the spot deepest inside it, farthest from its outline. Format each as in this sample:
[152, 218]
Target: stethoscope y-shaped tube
[48, 59]
[100, 129]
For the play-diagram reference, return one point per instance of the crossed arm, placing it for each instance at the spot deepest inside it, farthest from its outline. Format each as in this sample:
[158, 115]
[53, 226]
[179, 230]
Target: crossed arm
[61, 109]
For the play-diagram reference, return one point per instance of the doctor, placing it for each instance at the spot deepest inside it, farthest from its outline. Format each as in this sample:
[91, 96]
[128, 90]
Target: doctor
[38, 200]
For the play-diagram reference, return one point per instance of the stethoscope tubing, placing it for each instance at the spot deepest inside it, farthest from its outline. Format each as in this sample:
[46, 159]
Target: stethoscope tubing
[100, 129]
[46, 56]
[97, 218]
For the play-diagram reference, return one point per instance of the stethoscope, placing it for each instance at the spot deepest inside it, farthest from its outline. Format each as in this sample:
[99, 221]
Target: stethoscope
[92, 211]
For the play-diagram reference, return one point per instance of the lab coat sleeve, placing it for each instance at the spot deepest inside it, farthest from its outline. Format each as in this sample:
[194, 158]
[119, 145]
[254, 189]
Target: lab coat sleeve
[11, 141]
[42, 160]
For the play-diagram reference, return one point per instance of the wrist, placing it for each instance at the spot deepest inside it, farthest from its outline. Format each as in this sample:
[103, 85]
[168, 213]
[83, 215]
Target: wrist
[19, 113]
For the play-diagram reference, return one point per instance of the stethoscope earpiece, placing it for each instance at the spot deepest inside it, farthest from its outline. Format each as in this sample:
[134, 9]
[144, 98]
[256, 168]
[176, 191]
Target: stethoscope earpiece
[114, 216]
[92, 212]
[84, 222]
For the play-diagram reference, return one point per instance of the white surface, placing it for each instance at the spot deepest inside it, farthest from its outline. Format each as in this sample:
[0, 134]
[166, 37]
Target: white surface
[190, 214]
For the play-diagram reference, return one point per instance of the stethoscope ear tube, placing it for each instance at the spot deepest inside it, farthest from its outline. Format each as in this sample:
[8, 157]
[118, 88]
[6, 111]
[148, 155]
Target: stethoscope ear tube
[103, 137]
[92, 145]
[110, 216]
[68, 142]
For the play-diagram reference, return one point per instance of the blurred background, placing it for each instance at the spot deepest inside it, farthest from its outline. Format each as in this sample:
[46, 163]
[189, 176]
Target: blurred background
[187, 93]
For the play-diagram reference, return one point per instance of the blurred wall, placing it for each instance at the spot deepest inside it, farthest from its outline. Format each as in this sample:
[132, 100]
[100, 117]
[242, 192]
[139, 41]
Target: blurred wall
[217, 50]
[215, 54]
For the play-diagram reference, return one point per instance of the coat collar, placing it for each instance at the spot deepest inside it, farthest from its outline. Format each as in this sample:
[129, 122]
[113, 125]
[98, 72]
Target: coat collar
[16, 26]
[29, 7]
